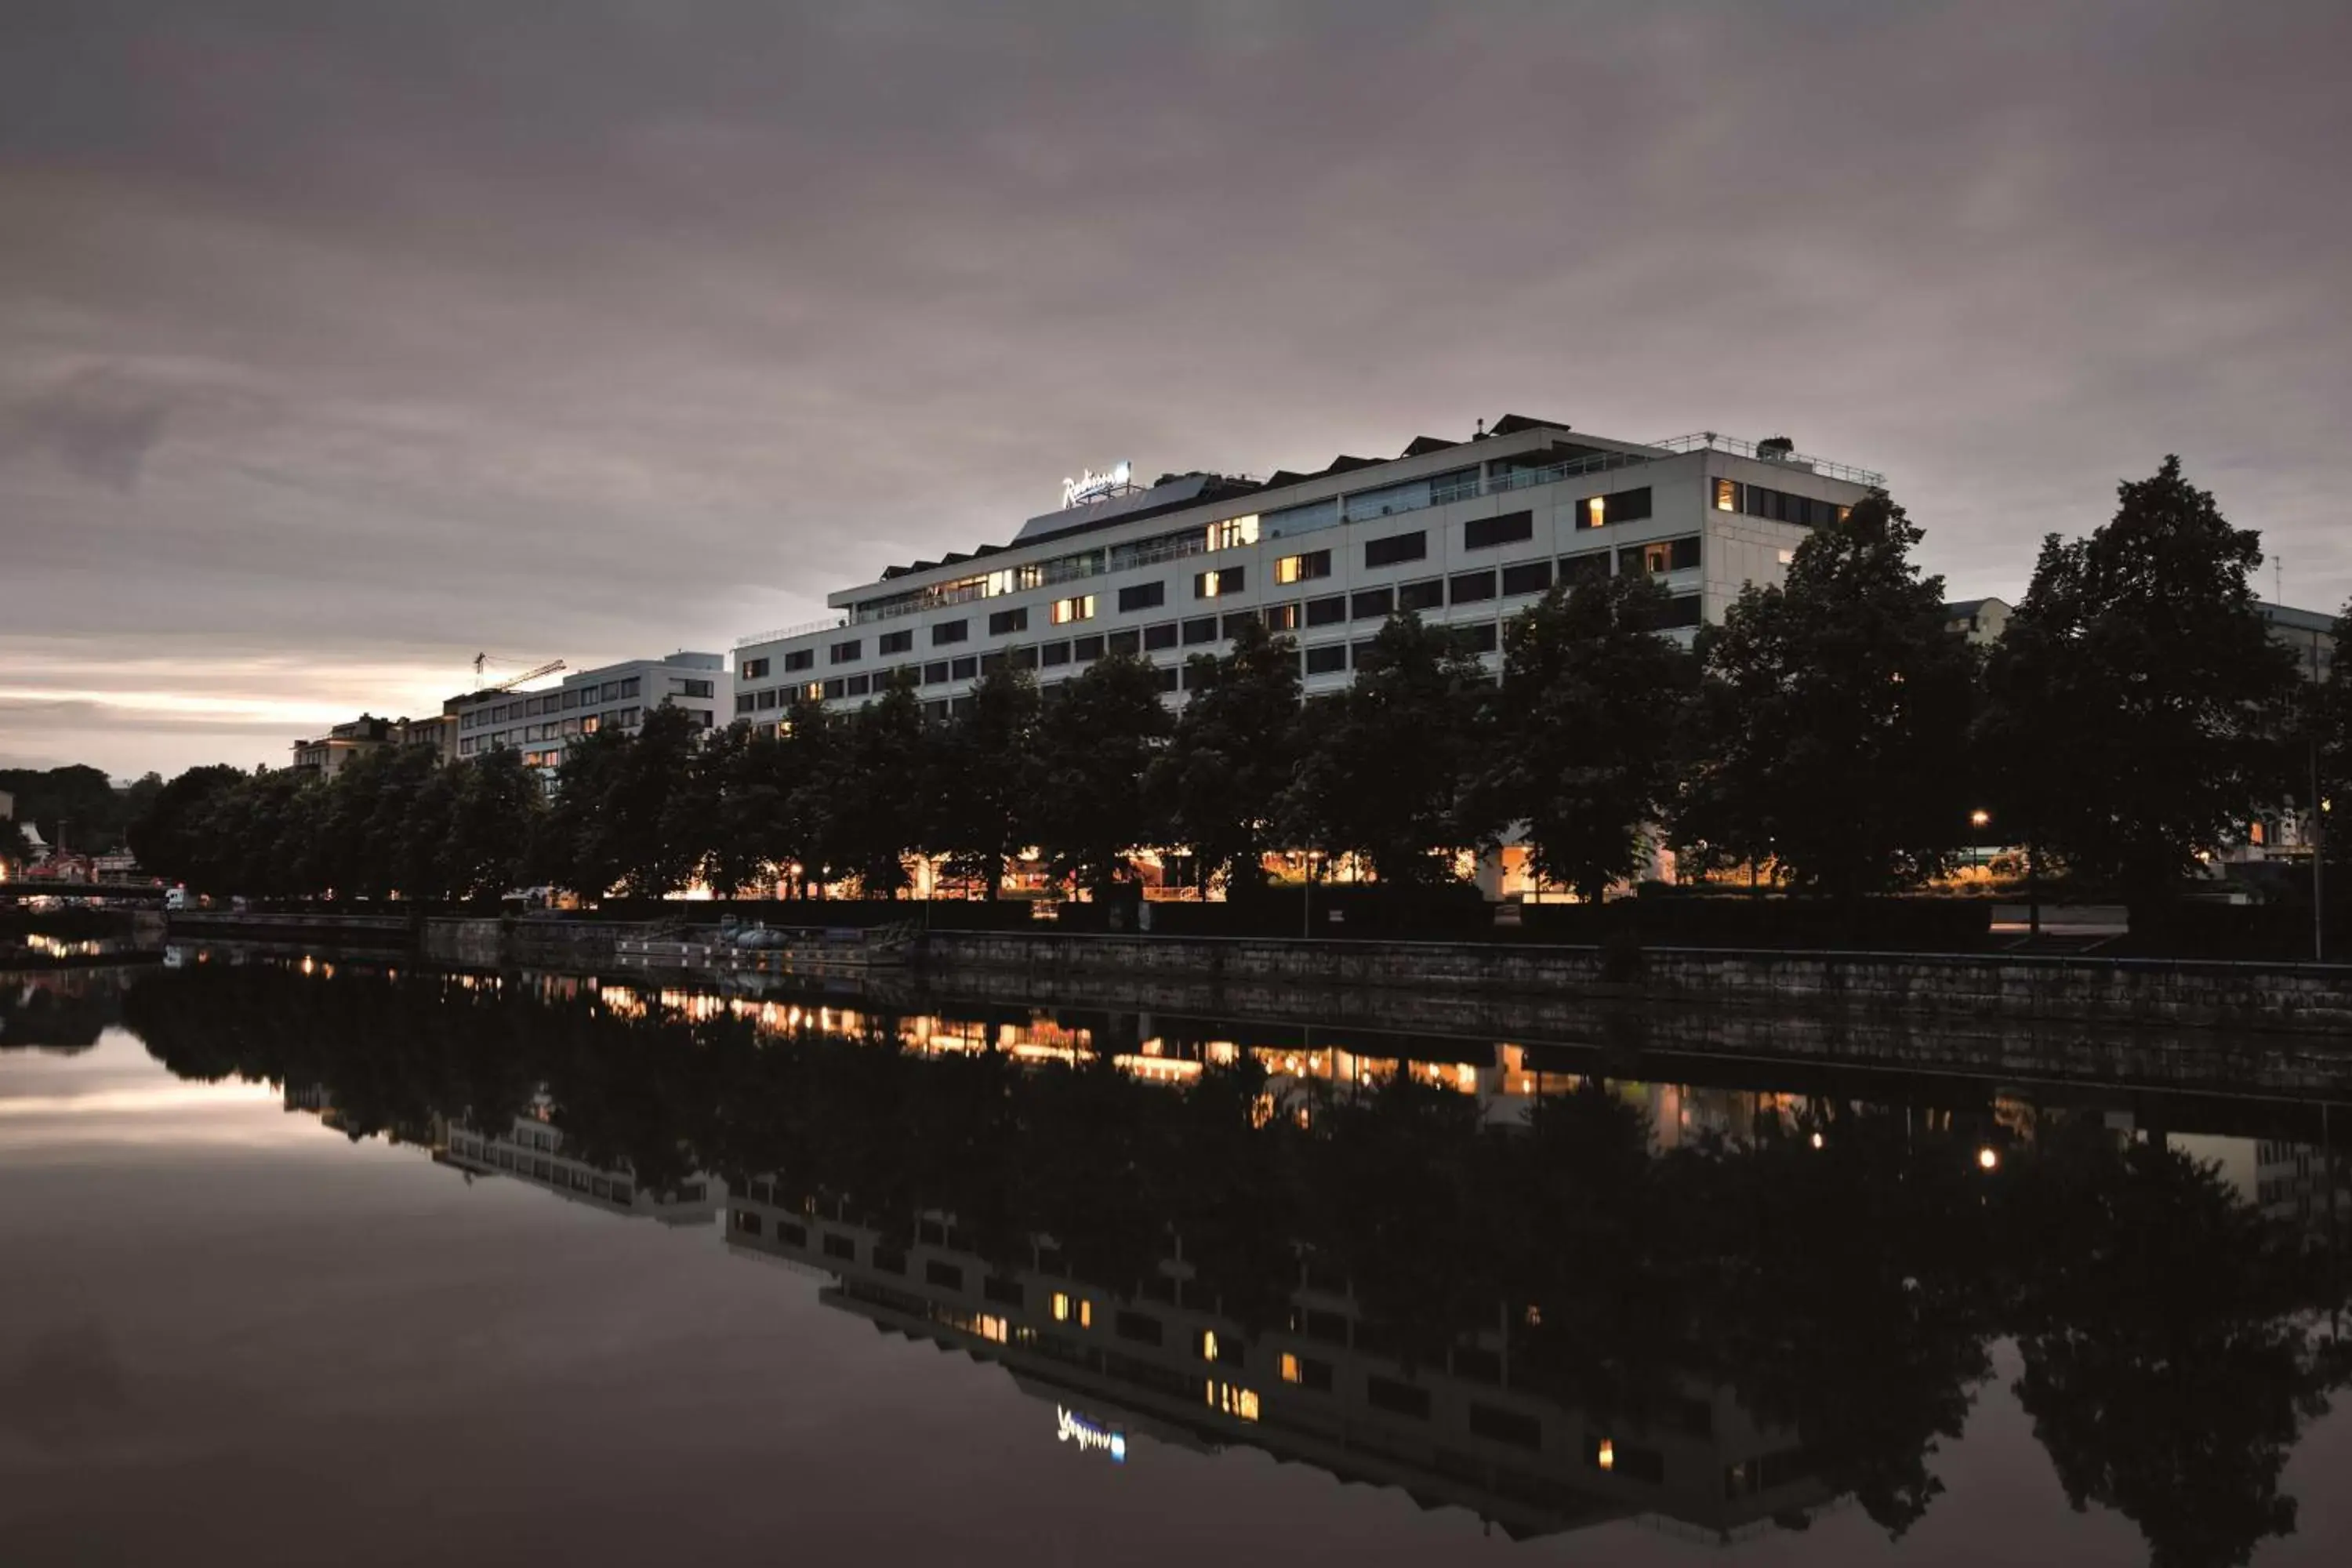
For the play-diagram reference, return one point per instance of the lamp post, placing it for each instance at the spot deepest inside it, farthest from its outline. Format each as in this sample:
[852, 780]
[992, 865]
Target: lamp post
[1978, 819]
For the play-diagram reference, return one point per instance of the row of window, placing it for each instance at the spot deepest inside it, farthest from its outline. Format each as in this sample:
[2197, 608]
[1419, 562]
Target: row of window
[584, 724]
[1521, 579]
[565, 700]
[1780, 506]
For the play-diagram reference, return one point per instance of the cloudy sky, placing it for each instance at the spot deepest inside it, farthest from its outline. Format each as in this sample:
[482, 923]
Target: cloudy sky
[338, 342]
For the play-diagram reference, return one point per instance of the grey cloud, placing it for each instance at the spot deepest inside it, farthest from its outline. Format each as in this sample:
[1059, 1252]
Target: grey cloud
[599, 329]
[98, 424]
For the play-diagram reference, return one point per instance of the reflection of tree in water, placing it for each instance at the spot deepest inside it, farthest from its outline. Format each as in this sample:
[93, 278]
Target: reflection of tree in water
[2172, 1357]
[61, 1013]
[1845, 1289]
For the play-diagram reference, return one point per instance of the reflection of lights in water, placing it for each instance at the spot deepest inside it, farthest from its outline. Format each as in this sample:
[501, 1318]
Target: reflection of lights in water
[58, 947]
[1817, 1140]
[1606, 1455]
[1988, 1157]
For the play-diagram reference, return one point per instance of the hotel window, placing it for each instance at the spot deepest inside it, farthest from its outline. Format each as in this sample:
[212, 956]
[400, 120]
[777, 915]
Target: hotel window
[1081, 607]
[1396, 548]
[1328, 659]
[1216, 585]
[629, 686]
[751, 669]
[1658, 555]
[1139, 1327]
[833, 688]
[1233, 532]
[1373, 604]
[839, 1245]
[1282, 617]
[1086, 650]
[1486, 533]
[1160, 637]
[1470, 587]
[1004, 1293]
[937, 1271]
[936, 709]
[843, 652]
[1682, 612]
[1588, 568]
[894, 642]
[1303, 568]
[950, 631]
[799, 658]
[743, 702]
[1125, 642]
[572, 698]
[1142, 596]
[1363, 648]
[963, 668]
[1506, 1426]
[935, 672]
[1727, 494]
[1428, 595]
[1053, 653]
[1625, 506]
[1234, 623]
[1003, 622]
[1328, 612]
[1233, 1400]
[1165, 678]
[1201, 630]
[812, 690]
[1526, 577]
[589, 725]
[768, 698]
[1481, 638]
[1024, 657]
[1397, 1398]
[990, 663]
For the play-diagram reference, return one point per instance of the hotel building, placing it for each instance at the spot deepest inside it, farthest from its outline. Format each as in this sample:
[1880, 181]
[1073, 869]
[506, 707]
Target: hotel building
[1466, 533]
[539, 724]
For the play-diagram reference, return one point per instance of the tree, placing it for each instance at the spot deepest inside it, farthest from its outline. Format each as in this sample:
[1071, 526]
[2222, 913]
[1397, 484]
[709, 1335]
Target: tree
[1830, 736]
[2135, 694]
[497, 807]
[655, 856]
[874, 790]
[1220, 783]
[989, 778]
[738, 785]
[806, 740]
[163, 837]
[1592, 692]
[1097, 737]
[1383, 764]
[579, 846]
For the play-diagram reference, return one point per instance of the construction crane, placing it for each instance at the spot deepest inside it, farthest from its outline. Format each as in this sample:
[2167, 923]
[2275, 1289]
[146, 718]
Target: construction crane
[511, 681]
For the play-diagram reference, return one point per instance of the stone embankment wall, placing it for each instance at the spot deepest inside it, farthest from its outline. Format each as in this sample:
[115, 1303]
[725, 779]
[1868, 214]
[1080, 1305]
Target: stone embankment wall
[533, 943]
[2172, 995]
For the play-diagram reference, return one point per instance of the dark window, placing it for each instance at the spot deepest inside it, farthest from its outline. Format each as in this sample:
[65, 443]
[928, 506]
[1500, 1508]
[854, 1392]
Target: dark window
[889, 643]
[1362, 650]
[1216, 585]
[1481, 638]
[840, 1247]
[800, 658]
[1004, 1293]
[936, 709]
[833, 689]
[786, 1231]
[1327, 612]
[935, 672]
[1140, 1327]
[1086, 650]
[745, 1221]
[958, 707]
[1160, 637]
[1526, 577]
[1470, 587]
[888, 1259]
[990, 663]
[964, 669]
[1373, 604]
[1143, 595]
[1314, 1375]
[1485, 532]
[629, 686]
[1397, 1398]
[1658, 555]
[1165, 678]
[1236, 621]
[751, 669]
[1682, 612]
[859, 685]
[1125, 642]
[771, 697]
[842, 652]
[1326, 659]
[1506, 1426]
[1024, 657]
[1396, 547]
[1589, 568]
[1202, 631]
[1003, 622]
[946, 632]
[1625, 1459]
[1053, 653]
[1477, 1365]
[743, 702]
[1194, 679]
[1423, 595]
[1282, 617]
[937, 1271]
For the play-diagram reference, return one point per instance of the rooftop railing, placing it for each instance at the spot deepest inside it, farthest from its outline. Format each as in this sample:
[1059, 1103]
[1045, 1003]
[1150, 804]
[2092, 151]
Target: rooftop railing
[831, 623]
[1711, 441]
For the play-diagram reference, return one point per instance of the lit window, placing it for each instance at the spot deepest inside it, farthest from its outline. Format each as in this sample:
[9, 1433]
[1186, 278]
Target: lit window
[1208, 1344]
[1240, 1402]
[1596, 511]
[1086, 1314]
[1289, 1367]
[1078, 608]
[1232, 532]
[1301, 568]
[1727, 494]
[1605, 1455]
[1061, 1307]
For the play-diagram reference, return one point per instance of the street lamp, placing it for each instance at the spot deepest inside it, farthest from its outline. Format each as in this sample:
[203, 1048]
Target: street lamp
[1978, 819]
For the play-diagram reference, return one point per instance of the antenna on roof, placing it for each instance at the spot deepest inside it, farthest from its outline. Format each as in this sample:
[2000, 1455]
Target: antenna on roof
[1482, 430]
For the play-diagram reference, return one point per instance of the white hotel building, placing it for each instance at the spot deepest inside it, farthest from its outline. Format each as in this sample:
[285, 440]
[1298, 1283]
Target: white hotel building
[1466, 533]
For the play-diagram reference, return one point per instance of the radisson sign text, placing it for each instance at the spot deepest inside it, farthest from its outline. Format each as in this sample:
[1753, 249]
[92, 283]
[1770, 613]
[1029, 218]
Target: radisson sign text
[1090, 487]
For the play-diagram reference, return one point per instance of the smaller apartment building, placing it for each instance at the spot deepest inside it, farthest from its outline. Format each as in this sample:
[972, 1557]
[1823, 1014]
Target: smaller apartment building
[1466, 533]
[539, 724]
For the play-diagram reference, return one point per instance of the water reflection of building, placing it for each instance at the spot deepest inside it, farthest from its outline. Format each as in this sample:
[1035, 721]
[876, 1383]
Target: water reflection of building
[532, 1150]
[1326, 1390]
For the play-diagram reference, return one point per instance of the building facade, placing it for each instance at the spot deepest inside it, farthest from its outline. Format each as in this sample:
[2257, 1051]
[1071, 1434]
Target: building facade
[540, 724]
[336, 749]
[1466, 533]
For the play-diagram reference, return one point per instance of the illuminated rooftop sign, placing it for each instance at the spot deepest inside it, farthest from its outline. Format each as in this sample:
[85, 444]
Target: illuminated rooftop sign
[1090, 487]
[1069, 1426]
